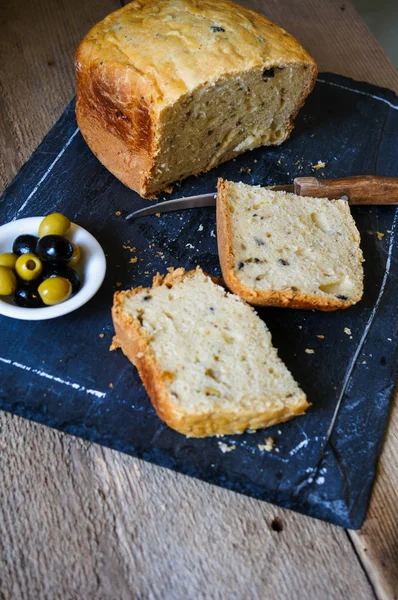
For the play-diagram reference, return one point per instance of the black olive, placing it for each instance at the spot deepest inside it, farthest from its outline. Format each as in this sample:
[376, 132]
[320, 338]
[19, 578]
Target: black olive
[54, 248]
[61, 270]
[216, 29]
[25, 244]
[268, 73]
[27, 296]
[74, 278]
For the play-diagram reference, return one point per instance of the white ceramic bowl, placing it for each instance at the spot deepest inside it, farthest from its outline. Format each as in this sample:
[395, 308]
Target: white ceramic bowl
[91, 268]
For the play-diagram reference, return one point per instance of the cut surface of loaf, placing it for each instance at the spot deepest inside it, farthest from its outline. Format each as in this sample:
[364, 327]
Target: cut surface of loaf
[278, 249]
[205, 357]
[169, 88]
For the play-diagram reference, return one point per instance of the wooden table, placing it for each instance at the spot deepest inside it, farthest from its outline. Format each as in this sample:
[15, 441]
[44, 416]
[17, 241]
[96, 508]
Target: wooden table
[80, 521]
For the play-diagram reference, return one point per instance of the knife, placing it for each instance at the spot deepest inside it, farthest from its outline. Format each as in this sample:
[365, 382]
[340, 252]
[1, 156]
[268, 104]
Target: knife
[360, 189]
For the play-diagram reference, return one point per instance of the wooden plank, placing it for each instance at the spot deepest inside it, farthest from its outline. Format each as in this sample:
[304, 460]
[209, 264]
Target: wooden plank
[37, 45]
[377, 541]
[77, 520]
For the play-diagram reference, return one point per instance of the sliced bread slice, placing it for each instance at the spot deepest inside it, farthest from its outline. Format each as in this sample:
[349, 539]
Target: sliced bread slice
[204, 356]
[279, 249]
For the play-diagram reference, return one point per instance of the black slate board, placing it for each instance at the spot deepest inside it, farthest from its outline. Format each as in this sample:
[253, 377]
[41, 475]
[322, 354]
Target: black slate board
[59, 372]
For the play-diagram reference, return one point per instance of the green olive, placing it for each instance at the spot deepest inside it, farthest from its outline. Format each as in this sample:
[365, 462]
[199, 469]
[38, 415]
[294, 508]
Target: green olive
[75, 256]
[8, 281]
[54, 224]
[28, 267]
[55, 290]
[8, 259]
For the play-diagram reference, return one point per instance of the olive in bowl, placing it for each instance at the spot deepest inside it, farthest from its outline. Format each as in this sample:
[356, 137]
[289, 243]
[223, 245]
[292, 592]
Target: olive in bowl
[76, 256]
[27, 296]
[55, 290]
[54, 224]
[25, 244]
[61, 270]
[8, 281]
[28, 267]
[8, 259]
[54, 248]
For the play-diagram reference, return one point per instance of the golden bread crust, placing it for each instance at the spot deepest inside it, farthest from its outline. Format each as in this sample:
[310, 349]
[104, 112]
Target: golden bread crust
[285, 299]
[149, 55]
[135, 344]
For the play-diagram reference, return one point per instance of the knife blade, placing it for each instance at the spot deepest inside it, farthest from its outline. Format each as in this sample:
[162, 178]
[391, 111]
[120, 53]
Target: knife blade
[357, 189]
[187, 202]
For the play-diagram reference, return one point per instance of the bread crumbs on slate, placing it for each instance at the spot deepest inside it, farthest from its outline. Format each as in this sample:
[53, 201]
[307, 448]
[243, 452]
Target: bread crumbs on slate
[347, 330]
[268, 446]
[131, 248]
[309, 351]
[319, 165]
[225, 448]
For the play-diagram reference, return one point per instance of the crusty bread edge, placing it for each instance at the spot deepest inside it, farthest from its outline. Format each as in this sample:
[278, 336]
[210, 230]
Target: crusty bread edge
[286, 299]
[135, 169]
[99, 138]
[135, 344]
[131, 337]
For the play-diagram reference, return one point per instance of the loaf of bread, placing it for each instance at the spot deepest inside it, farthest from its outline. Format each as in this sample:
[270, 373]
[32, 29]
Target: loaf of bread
[171, 88]
[204, 356]
[278, 249]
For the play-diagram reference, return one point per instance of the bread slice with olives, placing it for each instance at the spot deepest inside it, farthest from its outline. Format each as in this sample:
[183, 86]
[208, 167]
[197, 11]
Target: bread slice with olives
[206, 359]
[279, 249]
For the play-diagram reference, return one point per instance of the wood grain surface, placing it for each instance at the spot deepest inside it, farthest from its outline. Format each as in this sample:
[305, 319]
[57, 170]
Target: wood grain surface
[81, 521]
[360, 189]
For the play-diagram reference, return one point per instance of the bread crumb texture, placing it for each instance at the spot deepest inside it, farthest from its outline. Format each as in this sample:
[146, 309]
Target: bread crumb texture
[285, 250]
[225, 448]
[205, 357]
[319, 165]
[268, 446]
[168, 88]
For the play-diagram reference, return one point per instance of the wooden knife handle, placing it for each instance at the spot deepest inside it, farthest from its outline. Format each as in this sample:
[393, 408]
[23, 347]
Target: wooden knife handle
[361, 189]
